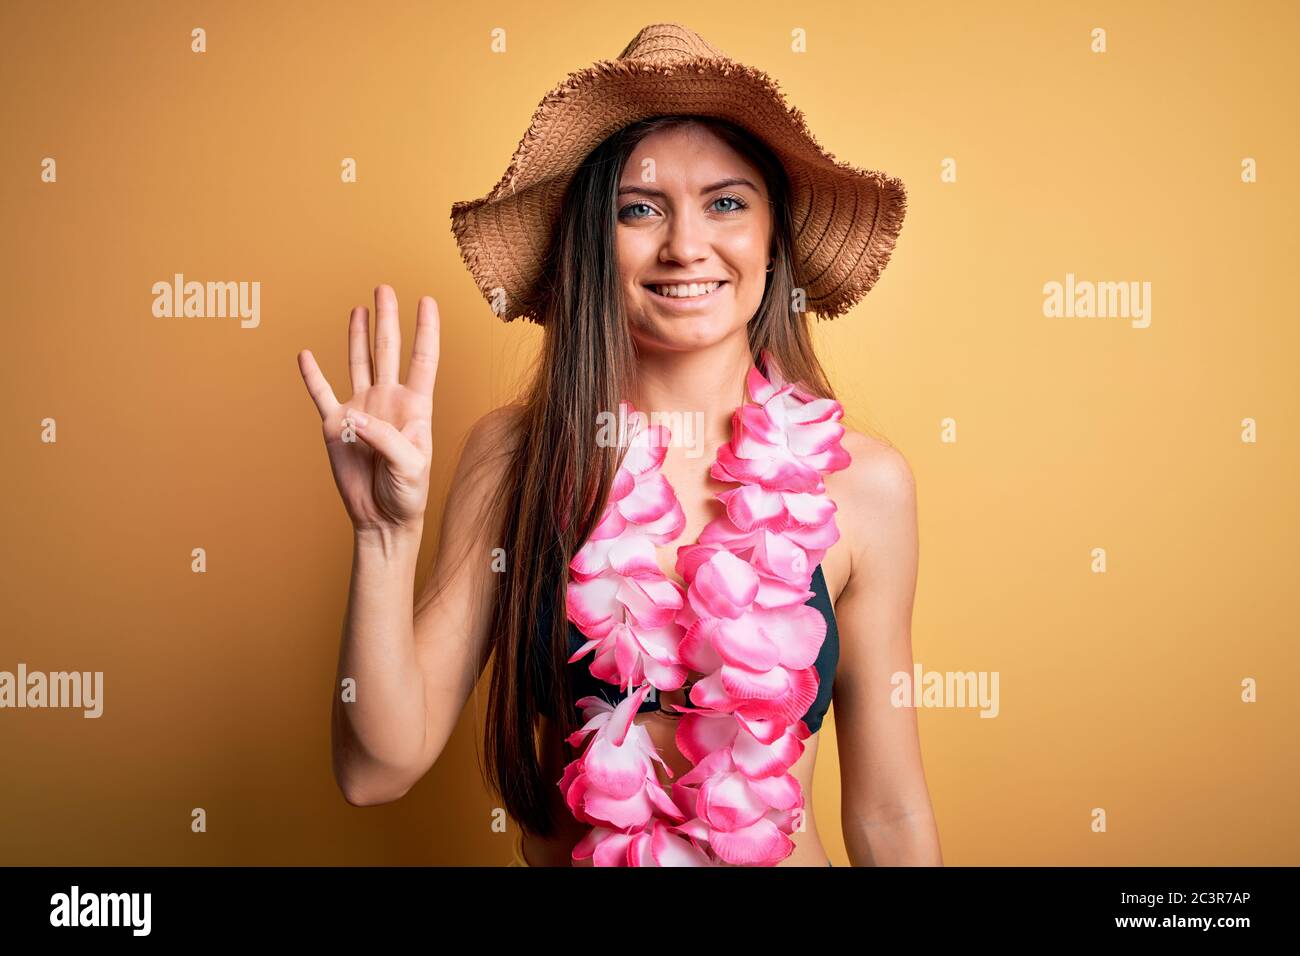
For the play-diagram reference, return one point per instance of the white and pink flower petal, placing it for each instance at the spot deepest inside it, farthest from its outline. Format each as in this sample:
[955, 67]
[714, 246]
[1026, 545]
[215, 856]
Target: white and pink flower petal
[741, 621]
[760, 844]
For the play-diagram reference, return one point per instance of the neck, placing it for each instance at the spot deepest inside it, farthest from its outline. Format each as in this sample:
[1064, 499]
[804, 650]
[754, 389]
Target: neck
[700, 389]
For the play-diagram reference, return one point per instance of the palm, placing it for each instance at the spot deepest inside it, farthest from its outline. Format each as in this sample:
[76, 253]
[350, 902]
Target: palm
[382, 468]
[373, 491]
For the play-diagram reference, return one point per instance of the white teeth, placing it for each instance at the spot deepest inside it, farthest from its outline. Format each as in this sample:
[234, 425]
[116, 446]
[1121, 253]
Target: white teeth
[687, 291]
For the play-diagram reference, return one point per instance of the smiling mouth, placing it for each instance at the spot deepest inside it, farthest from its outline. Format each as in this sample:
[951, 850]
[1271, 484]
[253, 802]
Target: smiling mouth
[687, 290]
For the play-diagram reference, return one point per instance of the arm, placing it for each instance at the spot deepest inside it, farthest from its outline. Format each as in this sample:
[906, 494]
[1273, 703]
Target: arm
[415, 664]
[886, 812]
[410, 668]
[379, 734]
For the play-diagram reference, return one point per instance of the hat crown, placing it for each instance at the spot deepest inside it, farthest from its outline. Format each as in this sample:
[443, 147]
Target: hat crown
[668, 43]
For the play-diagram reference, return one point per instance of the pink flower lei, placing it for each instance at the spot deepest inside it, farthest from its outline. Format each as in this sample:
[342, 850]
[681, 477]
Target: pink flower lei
[741, 621]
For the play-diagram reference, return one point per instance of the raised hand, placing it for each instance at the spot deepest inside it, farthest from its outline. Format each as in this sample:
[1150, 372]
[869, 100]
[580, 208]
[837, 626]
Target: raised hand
[380, 441]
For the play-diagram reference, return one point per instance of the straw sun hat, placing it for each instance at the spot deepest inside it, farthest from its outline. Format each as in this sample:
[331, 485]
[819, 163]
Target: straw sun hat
[846, 220]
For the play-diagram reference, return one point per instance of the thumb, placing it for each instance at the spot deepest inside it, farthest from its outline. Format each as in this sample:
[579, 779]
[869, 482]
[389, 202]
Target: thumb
[400, 454]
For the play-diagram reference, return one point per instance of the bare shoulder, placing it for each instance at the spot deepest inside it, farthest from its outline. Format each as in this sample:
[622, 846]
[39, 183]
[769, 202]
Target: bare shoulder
[492, 438]
[879, 477]
[486, 450]
[875, 498]
[498, 427]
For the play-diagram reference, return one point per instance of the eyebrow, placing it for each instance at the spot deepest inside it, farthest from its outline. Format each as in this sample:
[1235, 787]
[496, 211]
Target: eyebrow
[720, 184]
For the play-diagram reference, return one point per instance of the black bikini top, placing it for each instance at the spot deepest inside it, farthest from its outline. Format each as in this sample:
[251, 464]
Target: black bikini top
[585, 684]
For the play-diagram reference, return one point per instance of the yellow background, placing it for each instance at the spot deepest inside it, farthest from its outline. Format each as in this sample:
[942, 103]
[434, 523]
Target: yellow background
[1119, 691]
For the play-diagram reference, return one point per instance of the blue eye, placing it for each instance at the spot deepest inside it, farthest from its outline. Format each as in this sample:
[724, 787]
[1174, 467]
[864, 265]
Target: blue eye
[628, 211]
[624, 212]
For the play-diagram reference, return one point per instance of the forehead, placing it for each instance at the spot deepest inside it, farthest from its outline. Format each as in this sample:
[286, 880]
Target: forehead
[691, 155]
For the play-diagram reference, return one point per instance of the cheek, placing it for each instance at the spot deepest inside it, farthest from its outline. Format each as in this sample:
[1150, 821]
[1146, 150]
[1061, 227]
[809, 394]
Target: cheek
[630, 256]
[749, 258]
[631, 251]
[749, 255]
[749, 250]
[623, 256]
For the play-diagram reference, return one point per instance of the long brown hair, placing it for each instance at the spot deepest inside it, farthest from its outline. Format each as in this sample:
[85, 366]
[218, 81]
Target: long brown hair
[557, 468]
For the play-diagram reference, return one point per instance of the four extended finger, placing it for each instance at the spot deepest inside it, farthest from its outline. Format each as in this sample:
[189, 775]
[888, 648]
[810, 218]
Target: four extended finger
[423, 371]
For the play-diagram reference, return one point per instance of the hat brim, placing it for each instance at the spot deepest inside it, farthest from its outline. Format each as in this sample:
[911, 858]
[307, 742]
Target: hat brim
[846, 220]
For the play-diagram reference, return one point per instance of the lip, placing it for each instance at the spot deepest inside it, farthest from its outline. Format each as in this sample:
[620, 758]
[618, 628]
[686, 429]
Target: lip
[686, 304]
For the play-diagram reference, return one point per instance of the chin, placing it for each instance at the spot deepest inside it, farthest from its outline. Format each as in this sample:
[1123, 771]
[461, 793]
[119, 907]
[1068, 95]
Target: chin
[686, 334]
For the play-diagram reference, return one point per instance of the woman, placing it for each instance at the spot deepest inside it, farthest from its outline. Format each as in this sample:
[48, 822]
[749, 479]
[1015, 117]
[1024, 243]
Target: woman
[724, 576]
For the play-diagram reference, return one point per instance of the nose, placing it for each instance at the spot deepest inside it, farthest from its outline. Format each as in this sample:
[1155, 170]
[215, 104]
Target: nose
[686, 239]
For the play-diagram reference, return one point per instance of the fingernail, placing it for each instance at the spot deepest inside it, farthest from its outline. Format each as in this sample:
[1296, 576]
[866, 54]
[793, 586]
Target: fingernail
[360, 419]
